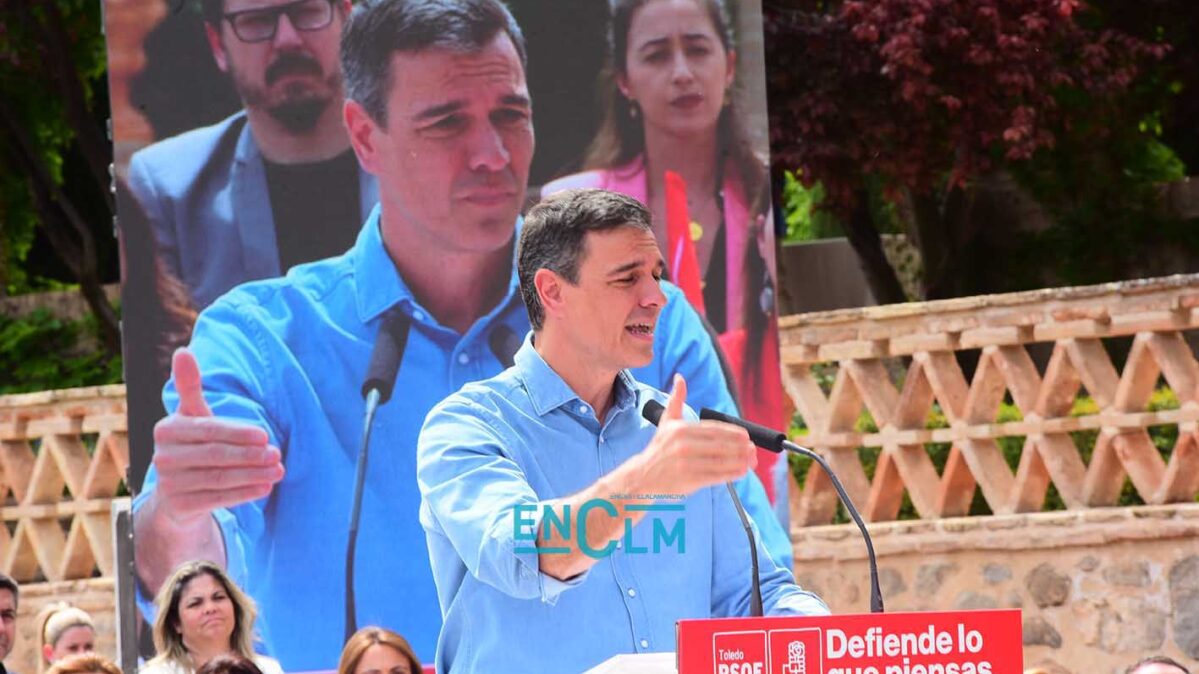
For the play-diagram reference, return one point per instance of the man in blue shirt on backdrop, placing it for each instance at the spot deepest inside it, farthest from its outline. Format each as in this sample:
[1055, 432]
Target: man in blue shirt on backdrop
[255, 467]
[562, 432]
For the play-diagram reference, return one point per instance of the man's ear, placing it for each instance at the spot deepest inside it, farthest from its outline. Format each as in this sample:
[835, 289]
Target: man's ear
[213, 33]
[549, 290]
[363, 134]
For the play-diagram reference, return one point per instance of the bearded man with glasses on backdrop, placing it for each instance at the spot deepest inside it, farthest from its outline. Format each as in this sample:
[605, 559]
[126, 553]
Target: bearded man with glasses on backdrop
[274, 185]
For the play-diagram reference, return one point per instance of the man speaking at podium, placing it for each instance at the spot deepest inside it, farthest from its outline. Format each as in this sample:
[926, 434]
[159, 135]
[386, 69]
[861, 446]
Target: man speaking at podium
[538, 486]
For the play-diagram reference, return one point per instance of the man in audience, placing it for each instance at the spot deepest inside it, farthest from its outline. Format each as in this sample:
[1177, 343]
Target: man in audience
[9, 594]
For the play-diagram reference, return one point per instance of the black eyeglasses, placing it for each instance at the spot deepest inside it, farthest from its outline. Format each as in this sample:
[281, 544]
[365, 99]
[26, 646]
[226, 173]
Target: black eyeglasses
[259, 25]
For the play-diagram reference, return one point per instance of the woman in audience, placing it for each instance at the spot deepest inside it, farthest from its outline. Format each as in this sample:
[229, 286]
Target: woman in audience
[379, 651]
[201, 615]
[64, 630]
[84, 663]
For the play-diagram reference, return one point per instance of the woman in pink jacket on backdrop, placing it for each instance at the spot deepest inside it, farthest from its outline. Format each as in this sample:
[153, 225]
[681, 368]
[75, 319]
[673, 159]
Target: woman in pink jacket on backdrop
[670, 105]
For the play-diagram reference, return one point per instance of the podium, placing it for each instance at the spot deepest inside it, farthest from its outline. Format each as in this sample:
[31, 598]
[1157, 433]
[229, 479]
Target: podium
[934, 642]
[637, 663]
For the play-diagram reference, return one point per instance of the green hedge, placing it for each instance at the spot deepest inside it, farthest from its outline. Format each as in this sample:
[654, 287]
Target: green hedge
[1164, 437]
[40, 352]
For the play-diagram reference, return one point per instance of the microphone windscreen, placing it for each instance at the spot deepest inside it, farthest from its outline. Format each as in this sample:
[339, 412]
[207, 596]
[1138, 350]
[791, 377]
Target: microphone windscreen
[504, 343]
[766, 438]
[386, 356]
[652, 411]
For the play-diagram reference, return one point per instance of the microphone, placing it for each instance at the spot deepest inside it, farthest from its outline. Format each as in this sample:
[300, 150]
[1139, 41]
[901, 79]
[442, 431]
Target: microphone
[385, 358]
[504, 343]
[376, 388]
[777, 442]
[652, 411]
[766, 438]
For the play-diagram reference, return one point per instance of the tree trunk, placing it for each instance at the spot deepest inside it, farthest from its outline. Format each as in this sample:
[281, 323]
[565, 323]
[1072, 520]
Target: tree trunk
[73, 242]
[68, 232]
[3, 265]
[863, 237]
[943, 233]
[92, 142]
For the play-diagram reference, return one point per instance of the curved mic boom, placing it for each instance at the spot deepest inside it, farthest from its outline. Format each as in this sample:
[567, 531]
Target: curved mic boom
[776, 441]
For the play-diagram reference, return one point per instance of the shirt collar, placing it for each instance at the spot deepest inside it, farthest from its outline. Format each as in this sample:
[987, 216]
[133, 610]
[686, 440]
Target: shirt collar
[548, 391]
[378, 285]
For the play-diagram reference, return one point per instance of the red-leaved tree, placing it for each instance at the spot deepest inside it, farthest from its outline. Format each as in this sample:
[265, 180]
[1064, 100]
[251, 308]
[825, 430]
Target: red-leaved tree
[924, 97]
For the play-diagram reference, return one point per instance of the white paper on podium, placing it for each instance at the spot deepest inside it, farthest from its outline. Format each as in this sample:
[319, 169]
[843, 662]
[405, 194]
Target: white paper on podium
[637, 663]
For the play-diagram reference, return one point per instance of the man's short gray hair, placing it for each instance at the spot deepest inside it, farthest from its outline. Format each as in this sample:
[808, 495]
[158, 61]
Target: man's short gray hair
[554, 236]
[377, 29]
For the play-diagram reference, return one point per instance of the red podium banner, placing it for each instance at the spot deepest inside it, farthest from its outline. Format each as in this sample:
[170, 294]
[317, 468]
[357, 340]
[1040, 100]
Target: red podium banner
[953, 642]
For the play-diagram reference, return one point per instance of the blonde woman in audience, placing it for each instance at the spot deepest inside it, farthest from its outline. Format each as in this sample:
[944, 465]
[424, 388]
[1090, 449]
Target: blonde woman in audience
[202, 614]
[84, 663]
[375, 649]
[64, 630]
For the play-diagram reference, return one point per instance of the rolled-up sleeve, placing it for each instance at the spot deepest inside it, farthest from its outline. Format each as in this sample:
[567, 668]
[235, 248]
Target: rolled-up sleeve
[236, 367]
[478, 498]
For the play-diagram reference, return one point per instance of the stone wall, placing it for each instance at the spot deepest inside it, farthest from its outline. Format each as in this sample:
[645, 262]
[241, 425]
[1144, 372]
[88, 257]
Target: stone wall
[1099, 588]
[96, 596]
[67, 305]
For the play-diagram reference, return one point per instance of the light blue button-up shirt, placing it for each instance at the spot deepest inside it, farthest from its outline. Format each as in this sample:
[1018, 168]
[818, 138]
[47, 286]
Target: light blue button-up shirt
[289, 355]
[488, 458]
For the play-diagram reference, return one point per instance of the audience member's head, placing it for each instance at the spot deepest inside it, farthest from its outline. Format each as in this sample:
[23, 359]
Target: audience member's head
[375, 649]
[1157, 664]
[230, 664]
[201, 611]
[64, 630]
[84, 663]
[10, 592]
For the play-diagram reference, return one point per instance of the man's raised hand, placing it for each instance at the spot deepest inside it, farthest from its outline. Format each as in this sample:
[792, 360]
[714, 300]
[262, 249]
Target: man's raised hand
[205, 462]
[685, 456]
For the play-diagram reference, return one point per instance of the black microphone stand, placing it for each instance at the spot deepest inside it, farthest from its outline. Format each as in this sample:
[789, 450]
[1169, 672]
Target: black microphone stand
[372, 404]
[776, 441]
[380, 380]
[652, 411]
[876, 595]
[755, 586]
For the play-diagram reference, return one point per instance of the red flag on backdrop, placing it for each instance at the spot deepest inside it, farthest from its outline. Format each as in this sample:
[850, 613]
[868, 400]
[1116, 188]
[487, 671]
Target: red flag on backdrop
[680, 251]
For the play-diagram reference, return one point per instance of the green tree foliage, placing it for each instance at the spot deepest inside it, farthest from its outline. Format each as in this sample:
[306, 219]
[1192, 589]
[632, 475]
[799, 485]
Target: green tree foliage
[39, 352]
[54, 155]
[806, 220]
